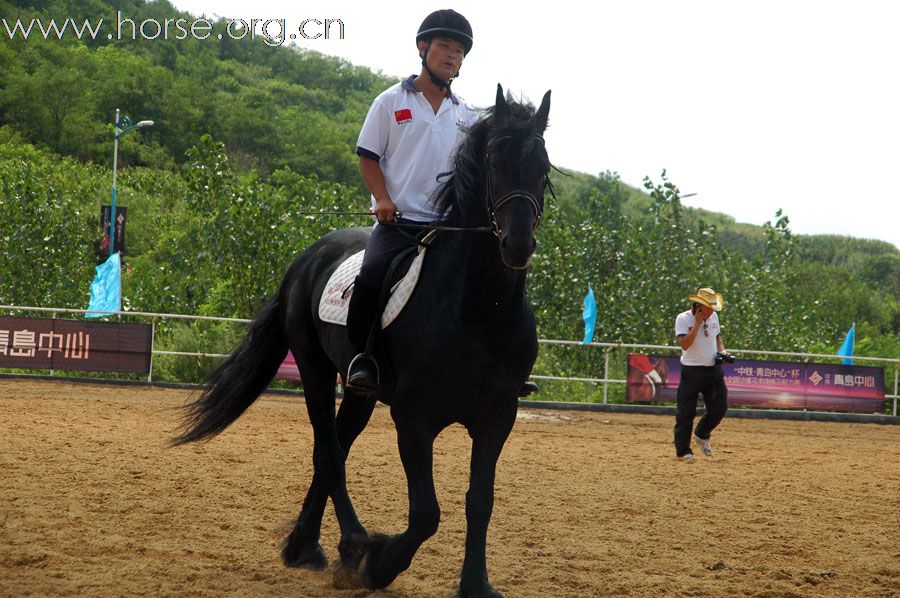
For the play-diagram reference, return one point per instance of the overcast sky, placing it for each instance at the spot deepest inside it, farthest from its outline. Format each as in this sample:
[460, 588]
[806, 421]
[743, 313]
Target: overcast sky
[753, 106]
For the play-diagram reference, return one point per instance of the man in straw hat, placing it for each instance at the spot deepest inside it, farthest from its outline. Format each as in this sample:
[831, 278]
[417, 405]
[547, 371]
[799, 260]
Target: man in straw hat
[700, 338]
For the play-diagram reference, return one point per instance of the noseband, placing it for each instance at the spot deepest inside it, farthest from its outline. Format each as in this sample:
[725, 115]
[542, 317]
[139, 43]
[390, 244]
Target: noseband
[494, 204]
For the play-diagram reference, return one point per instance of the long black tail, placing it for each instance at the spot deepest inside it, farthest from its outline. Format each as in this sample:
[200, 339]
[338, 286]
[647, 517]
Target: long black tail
[238, 382]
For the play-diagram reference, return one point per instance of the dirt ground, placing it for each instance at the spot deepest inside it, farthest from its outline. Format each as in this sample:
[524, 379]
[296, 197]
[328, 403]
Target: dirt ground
[93, 503]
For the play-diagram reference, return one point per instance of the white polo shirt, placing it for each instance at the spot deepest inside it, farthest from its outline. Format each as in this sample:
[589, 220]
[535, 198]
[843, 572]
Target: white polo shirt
[413, 145]
[704, 348]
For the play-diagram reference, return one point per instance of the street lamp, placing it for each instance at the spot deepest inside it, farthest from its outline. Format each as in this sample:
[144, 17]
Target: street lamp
[122, 127]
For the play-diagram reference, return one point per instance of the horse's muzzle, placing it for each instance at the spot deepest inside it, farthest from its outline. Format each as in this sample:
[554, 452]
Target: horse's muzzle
[516, 250]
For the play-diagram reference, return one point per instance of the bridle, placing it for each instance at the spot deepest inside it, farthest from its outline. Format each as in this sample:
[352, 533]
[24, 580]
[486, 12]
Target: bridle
[493, 204]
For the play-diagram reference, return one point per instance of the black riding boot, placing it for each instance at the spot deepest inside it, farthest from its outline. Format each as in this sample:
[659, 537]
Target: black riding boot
[362, 375]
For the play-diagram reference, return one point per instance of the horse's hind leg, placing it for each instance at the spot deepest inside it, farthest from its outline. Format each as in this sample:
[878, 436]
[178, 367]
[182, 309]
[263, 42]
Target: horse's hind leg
[301, 548]
[333, 438]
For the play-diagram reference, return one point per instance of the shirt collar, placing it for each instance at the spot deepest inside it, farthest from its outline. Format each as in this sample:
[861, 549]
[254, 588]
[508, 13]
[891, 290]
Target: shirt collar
[408, 85]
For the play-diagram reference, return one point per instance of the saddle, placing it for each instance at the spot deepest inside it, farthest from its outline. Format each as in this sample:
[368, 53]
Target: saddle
[335, 301]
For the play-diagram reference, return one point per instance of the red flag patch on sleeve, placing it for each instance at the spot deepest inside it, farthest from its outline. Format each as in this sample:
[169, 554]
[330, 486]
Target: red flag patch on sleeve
[403, 115]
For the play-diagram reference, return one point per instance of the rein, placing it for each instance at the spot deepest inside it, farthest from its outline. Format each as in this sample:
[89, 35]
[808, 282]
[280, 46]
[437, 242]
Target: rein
[492, 204]
[423, 226]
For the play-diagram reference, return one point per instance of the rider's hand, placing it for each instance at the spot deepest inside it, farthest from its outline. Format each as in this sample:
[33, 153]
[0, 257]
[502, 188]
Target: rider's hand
[385, 210]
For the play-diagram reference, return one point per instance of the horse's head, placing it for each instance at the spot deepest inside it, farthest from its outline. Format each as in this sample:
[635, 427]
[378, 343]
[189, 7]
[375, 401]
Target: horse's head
[516, 173]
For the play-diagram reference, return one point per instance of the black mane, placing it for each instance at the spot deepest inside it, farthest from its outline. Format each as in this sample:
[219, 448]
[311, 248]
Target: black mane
[460, 200]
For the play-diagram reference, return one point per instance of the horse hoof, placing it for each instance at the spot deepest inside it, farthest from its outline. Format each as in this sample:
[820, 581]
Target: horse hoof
[313, 559]
[481, 591]
[348, 577]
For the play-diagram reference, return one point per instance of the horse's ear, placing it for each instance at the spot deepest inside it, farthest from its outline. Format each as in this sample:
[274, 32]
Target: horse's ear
[543, 112]
[500, 106]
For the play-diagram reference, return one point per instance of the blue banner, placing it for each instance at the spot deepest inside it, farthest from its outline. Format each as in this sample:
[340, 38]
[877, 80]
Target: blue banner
[590, 316]
[846, 349]
[106, 290]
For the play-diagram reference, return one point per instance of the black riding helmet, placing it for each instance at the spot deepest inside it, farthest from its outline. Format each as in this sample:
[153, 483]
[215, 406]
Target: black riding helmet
[446, 23]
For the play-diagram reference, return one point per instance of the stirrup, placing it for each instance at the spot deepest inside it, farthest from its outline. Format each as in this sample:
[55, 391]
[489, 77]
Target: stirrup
[368, 386]
[528, 388]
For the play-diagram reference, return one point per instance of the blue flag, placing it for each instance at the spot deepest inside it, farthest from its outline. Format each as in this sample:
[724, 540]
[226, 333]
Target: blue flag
[846, 349]
[590, 316]
[106, 290]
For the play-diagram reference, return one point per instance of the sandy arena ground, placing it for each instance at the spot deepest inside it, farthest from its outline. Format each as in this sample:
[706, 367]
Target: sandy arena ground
[95, 504]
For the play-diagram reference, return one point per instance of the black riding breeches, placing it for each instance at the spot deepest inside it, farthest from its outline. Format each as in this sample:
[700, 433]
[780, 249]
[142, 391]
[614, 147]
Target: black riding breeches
[386, 242]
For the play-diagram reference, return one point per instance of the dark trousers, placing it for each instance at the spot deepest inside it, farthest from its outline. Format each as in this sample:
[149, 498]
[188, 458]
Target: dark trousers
[695, 380]
[385, 243]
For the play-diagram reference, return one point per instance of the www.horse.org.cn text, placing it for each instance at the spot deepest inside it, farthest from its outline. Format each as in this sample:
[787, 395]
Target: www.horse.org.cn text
[272, 32]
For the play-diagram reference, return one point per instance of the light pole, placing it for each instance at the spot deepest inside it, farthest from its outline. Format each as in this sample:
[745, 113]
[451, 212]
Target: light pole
[122, 127]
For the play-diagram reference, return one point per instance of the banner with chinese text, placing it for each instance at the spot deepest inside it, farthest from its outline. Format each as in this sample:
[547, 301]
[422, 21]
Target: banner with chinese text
[38, 343]
[119, 229]
[769, 384]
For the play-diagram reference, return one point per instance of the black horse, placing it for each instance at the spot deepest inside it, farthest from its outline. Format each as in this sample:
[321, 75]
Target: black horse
[458, 353]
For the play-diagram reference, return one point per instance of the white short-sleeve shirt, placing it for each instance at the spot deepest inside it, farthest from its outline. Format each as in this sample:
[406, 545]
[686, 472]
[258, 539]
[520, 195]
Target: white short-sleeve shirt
[704, 348]
[413, 145]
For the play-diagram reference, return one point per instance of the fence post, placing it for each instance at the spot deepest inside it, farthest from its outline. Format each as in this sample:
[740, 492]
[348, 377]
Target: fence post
[605, 374]
[52, 371]
[152, 339]
[896, 369]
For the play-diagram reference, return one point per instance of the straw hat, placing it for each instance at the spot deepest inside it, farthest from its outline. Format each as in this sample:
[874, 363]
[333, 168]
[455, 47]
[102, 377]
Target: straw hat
[709, 298]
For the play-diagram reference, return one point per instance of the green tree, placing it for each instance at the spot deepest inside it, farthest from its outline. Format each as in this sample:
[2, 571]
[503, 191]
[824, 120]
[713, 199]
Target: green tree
[51, 100]
[47, 227]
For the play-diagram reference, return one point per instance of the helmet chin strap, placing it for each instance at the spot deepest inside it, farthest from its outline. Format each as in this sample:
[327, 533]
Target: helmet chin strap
[434, 78]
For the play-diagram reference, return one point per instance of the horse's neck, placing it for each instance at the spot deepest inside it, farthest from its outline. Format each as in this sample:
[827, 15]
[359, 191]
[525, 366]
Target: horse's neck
[475, 274]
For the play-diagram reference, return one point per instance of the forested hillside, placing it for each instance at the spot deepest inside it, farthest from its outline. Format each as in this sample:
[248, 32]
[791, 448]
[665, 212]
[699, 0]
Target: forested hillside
[247, 137]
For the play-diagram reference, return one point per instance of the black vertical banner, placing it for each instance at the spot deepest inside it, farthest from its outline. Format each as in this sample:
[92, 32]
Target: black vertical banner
[121, 216]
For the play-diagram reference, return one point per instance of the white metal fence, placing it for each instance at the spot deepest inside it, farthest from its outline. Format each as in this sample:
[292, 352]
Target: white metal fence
[607, 348]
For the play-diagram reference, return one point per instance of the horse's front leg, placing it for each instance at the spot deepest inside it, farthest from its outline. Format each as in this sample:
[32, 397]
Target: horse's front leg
[388, 556]
[487, 442]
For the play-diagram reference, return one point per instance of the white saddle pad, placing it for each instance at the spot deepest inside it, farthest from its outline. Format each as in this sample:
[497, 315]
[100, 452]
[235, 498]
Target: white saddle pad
[336, 297]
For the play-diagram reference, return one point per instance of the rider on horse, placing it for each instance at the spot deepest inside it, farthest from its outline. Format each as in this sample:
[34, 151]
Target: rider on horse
[408, 140]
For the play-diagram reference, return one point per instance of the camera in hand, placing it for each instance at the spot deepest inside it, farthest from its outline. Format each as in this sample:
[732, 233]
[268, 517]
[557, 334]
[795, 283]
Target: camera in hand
[724, 357]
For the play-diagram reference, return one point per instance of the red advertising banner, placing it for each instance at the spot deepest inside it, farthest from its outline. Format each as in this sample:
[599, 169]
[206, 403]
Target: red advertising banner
[288, 369]
[49, 344]
[769, 384]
